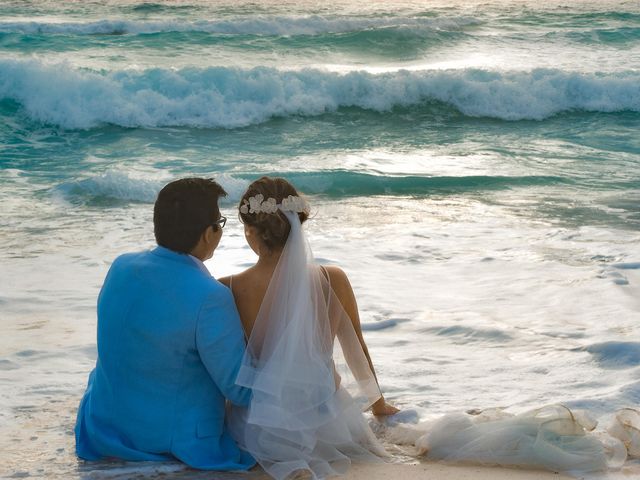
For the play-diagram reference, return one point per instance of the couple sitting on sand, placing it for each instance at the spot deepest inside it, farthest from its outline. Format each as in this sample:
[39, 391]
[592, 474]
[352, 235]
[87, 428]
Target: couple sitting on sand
[219, 374]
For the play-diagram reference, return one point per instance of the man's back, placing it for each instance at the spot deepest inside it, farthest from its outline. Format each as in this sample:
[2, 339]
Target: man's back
[169, 347]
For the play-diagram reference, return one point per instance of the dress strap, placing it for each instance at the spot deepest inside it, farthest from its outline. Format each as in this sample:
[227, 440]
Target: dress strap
[231, 283]
[325, 273]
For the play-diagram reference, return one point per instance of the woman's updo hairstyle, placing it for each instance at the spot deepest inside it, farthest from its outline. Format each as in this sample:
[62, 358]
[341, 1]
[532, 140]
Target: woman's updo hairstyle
[273, 228]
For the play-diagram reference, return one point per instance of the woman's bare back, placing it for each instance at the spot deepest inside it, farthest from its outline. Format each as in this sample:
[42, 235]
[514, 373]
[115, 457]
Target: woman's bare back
[248, 289]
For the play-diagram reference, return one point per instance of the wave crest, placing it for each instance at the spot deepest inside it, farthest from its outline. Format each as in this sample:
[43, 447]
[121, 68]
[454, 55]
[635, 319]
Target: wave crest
[255, 25]
[110, 188]
[114, 187]
[342, 183]
[222, 97]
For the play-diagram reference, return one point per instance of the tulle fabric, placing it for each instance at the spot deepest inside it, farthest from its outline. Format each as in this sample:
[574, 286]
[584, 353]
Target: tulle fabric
[308, 390]
[626, 428]
[553, 438]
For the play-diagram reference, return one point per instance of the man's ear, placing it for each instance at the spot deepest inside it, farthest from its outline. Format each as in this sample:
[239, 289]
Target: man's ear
[208, 234]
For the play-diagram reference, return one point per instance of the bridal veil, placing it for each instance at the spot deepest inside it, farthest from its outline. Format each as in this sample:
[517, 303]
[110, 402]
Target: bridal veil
[308, 390]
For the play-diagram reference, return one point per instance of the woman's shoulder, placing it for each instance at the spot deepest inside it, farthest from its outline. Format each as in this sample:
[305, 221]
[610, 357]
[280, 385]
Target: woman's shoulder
[337, 277]
[230, 280]
[239, 281]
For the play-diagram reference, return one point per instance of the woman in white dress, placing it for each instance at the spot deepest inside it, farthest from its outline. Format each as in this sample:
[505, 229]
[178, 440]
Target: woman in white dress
[308, 390]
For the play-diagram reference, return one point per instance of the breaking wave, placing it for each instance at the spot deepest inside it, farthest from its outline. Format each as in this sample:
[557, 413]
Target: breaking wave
[116, 187]
[254, 25]
[219, 97]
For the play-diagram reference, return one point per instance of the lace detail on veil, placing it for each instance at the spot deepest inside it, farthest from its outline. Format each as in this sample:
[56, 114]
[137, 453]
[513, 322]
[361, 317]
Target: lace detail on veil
[303, 414]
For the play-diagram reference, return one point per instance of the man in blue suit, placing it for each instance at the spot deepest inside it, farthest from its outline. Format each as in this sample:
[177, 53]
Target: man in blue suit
[170, 344]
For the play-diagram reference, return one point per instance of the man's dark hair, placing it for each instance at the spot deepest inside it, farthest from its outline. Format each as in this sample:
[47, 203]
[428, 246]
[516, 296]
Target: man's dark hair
[183, 210]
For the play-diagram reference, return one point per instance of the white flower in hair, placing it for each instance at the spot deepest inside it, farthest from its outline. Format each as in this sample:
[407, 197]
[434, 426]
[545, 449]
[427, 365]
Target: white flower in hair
[258, 204]
[294, 204]
[270, 206]
[255, 203]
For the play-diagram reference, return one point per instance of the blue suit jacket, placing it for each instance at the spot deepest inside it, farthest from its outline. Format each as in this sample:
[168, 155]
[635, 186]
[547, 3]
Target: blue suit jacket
[170, 345]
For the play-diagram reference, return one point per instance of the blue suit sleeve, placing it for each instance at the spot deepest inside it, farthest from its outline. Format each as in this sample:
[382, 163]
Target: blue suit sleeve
[220, 343]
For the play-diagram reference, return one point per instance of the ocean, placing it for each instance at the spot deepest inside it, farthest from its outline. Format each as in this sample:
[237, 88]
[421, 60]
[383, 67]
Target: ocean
[474, 167]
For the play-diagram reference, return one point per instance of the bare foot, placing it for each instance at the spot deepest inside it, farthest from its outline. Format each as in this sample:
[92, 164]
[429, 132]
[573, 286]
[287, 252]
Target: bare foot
[382, 408]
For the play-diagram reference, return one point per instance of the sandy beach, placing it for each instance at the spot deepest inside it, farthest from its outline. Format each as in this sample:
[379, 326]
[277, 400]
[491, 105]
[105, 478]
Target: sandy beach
[440, 471]
[388, 471]
[437, 471]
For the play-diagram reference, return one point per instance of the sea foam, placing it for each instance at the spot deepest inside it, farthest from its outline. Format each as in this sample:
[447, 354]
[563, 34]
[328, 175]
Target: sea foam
[222, 97]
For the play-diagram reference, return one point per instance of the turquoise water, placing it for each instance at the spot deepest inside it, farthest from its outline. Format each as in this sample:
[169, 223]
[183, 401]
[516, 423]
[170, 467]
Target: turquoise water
[474, 166]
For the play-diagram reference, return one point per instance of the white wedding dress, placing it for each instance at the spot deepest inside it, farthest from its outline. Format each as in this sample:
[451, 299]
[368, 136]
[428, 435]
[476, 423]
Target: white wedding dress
[309, 391]
[553, 438]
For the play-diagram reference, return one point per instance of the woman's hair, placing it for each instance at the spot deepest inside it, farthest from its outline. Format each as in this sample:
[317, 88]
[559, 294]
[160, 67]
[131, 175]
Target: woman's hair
[273, 228]
[183, 210]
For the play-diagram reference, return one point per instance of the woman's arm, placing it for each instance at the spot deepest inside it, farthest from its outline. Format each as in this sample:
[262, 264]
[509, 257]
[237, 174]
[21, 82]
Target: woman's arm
[342, 288]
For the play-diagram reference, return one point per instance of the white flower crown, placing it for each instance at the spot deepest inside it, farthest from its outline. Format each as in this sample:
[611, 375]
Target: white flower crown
[258, 204]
